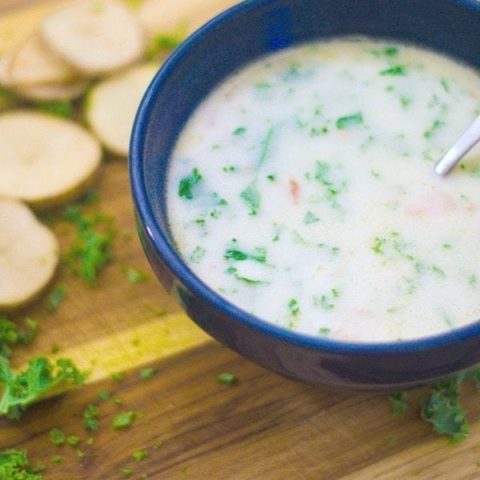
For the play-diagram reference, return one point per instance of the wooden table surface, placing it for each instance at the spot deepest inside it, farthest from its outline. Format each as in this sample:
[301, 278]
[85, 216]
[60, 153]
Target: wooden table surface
[266, 427]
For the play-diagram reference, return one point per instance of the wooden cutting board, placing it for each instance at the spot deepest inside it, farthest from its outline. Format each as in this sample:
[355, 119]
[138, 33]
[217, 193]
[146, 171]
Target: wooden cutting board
[265, 427]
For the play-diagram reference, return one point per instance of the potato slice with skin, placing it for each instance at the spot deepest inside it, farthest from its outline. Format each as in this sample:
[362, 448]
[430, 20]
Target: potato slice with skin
[112, 104]
[95, 36]
[33, 63]
[29, 255]
[44, 160]
[53, 91]
[167, 16]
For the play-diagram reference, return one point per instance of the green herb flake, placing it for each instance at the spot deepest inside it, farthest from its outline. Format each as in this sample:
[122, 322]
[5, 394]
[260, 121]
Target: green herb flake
[327, 301]
[56, 459]
[15, 465]
[238, 132]
[379, 245]
[124, 420]
[263, 85]
[271, 178]
[331, 190]
[134, 275]
[73, 440]
[147, 373]
[197, 254]
[399, 403]
[57, 108]
[405, 101]
[56, 297]
[385, 52]
[445, 85]
[293, 72]
[57, 437]
[163, 43]
[397, 70]
[91, 250]
[8, 336]
[117, 376]
[390, 51]
[235, 255]
[293, 307]
[265, 146]
[126, 472]
[167, 42]
[140, 455]
[229, 169]
[258, 255]
[324, 331]
[92, 197]
[187, 184]
[227, 378]
[104, 395]
[251, 197]
[443, 410]
[437, 271]
[349, 121]
[26, 336]
[90, 418]
[11, 335]
[316, 131]
[392, 440]
[430, 132]
[309, 218]
[248, 281]
[215, 213]
[20, 390]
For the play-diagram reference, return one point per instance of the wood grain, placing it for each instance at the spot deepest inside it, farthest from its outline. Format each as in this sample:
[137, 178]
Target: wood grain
[264, 428]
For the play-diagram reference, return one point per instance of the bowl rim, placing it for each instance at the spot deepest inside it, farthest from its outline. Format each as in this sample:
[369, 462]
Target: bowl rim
[159, 239]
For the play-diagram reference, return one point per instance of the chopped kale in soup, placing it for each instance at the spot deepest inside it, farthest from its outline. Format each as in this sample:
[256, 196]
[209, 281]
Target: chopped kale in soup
[302, 190]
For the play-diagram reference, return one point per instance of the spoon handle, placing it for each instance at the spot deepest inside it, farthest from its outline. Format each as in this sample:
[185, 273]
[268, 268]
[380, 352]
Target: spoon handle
[461, 147]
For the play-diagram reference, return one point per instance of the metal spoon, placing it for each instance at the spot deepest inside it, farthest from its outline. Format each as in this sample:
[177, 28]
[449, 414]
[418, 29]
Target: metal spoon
[461, 147]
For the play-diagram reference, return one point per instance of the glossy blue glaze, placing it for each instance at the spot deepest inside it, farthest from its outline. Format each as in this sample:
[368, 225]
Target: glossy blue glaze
[252, 29]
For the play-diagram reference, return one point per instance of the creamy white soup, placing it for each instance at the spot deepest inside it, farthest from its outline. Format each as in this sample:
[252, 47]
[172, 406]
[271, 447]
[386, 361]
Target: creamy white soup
[302, 190]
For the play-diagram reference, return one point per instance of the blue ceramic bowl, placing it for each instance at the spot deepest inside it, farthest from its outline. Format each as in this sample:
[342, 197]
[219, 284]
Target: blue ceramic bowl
[230, 41]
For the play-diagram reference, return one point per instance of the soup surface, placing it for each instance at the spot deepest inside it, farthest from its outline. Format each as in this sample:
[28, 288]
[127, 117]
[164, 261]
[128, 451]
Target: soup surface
[302, 190]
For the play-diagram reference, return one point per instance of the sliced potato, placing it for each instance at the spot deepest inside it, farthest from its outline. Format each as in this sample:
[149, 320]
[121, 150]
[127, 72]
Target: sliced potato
[33, 63]
[111, 106]
[44, 160]
[95, 36]
[167, 16]
[29, 255]
[54, 91]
